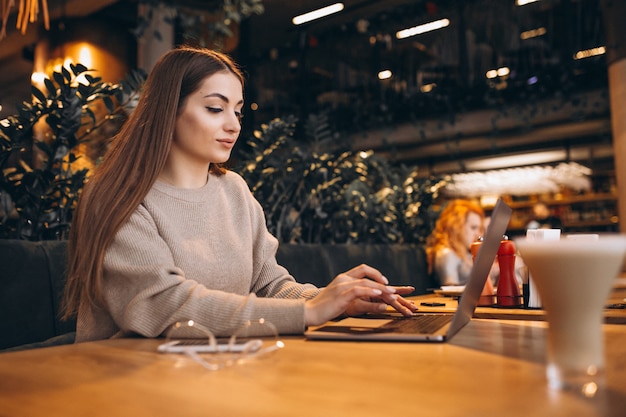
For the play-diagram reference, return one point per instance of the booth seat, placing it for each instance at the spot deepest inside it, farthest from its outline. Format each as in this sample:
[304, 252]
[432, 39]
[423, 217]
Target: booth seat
[32, 276]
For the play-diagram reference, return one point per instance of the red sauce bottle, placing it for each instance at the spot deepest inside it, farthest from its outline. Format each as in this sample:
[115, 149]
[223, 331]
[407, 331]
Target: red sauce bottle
[508, 292]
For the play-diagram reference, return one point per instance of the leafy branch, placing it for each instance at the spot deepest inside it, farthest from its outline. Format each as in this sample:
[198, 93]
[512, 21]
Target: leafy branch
[341, 196]
[39, 148]
[199, 18]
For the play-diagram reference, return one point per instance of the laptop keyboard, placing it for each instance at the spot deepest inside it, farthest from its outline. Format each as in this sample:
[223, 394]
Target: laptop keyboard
[422, 323]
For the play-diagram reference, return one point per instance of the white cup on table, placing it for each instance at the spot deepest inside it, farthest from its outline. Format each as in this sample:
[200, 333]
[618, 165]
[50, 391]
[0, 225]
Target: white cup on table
[574, 278]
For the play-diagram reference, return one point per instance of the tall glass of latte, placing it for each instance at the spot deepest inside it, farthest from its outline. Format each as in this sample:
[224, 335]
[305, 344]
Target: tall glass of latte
[574, 277]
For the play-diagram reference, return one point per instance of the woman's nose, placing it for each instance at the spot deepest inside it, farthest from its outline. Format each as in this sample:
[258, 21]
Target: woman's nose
[233, 124]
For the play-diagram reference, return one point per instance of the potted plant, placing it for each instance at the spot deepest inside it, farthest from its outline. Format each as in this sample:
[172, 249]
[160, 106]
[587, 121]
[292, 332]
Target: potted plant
[314, 189]
[39, 149]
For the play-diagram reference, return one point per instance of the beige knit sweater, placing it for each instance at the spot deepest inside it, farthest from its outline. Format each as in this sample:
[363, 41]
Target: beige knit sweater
[203, 254]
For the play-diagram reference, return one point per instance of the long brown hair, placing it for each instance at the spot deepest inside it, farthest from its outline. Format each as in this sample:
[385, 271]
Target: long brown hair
[131, 166]
[449, 229]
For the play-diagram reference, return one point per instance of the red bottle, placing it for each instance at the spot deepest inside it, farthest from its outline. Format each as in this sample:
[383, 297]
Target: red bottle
[508, 292]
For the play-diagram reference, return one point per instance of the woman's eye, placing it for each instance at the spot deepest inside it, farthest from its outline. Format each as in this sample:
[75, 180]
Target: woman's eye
[239, 115]
[214, 109]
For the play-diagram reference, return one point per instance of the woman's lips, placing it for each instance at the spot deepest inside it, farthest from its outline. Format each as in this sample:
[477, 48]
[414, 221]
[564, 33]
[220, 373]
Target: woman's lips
[228, 143]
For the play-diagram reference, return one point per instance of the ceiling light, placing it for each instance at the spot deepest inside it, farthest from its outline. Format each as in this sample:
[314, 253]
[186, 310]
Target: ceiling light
[527, 180]
[529, 34]
[426, 27]
[590, 52]
[500, 72]
[532, 158]
[317, 14]
[385, 74]
[427, 88]
[27, 13]
[524, 2]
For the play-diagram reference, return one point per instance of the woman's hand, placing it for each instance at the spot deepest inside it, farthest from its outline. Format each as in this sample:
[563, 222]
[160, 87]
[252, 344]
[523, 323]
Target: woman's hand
[360, 290]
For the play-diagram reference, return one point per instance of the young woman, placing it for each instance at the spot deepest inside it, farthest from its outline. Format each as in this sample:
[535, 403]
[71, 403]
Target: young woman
[164, 233]
[448, 247]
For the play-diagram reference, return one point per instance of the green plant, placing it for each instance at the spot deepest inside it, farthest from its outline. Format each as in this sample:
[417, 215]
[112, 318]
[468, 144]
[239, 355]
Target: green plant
[340, 196]
[41, 179]
[199, 19]
[313, 190]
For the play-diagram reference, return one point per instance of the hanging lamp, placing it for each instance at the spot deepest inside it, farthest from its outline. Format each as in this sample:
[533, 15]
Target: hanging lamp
[28, 12]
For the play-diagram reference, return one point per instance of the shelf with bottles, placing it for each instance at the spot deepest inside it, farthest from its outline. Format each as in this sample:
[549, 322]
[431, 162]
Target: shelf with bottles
[589, 212]
[592, 215]
[560, 199]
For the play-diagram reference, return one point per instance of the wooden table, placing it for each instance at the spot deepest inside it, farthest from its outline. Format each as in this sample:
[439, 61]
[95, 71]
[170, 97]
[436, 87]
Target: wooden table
[491, 368]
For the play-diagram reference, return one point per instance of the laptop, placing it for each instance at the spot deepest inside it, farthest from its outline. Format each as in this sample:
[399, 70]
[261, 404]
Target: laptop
[425, 327]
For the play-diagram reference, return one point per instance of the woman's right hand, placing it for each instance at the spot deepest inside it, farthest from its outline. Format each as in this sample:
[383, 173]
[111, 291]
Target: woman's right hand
[360, 290]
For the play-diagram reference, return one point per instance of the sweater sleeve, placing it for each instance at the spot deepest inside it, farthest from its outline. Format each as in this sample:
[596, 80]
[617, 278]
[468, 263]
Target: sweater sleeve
[145, 292]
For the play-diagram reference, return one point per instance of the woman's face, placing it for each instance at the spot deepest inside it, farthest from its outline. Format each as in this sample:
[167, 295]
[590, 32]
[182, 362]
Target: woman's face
[209, 122]
[472, 229]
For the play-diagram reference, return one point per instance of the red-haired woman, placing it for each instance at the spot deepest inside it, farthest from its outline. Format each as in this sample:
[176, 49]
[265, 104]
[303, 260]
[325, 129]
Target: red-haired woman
[448, 246]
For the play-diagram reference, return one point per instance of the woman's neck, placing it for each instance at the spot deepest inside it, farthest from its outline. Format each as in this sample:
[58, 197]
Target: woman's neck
[185, 178]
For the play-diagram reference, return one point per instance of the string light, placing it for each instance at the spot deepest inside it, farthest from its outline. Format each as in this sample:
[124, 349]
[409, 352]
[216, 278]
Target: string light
[28, 12]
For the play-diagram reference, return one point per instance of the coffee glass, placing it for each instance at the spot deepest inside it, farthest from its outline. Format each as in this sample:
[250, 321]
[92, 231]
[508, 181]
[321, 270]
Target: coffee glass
[574, 278]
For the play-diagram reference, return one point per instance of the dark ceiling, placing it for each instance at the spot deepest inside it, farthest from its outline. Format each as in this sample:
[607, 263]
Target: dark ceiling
[331, 65]
[339, 56]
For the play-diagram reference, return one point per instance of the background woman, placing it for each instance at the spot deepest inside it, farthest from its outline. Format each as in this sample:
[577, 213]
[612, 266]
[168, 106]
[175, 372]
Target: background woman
[448, 246]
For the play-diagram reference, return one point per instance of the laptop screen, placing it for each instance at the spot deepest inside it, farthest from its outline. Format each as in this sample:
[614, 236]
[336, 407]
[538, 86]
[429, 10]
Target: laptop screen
[391, 327]
[482, 265]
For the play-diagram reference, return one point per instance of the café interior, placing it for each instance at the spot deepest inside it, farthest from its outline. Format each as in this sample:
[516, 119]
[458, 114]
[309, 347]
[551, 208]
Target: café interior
[504, 91]
[512, 100]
